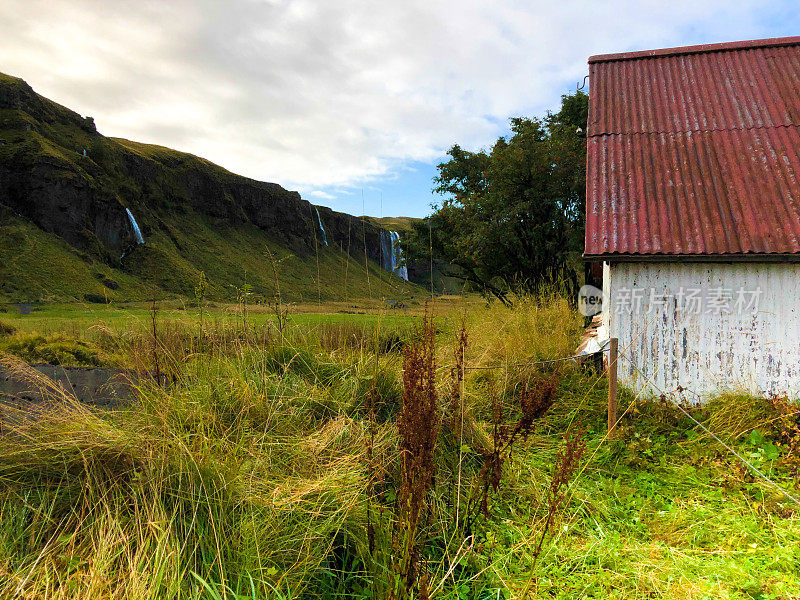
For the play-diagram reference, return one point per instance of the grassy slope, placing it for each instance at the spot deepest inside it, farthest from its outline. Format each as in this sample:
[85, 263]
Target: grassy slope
[394, 223]
[35, 265]
[253, 465]
[233, 255]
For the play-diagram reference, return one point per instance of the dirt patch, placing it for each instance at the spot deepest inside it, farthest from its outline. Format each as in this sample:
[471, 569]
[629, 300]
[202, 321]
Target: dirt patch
[97, 386]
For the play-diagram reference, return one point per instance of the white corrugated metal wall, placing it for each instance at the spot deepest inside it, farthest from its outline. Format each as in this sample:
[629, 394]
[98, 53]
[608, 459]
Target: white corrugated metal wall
[725, 345]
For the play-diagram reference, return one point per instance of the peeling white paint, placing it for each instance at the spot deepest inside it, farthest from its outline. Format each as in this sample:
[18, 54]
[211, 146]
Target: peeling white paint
[664, 346]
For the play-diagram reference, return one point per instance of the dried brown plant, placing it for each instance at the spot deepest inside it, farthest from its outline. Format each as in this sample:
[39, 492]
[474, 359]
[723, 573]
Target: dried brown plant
[457, 379]
[567, 462]
[534, 400]
[418, 427]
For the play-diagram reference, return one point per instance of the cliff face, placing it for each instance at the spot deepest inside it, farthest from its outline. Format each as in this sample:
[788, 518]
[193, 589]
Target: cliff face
[63, 176]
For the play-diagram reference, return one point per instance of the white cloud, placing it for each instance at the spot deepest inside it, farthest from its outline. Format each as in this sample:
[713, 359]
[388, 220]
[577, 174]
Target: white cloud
[318, 93]
[319, 194]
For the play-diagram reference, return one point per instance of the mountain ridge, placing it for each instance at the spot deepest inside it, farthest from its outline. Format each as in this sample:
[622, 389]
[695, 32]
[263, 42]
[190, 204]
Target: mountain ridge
[58, 174]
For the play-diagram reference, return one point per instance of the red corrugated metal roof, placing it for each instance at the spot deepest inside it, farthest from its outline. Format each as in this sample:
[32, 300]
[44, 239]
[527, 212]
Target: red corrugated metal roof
[695, 151]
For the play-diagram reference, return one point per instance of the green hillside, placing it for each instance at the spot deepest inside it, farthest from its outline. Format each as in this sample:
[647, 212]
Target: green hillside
[395, 223]
[65, 233]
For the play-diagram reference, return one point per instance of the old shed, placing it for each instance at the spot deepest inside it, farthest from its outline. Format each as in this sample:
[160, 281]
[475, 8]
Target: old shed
[693, 208]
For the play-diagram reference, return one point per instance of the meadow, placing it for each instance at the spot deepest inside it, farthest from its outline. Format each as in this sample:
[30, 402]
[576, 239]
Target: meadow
[355, 451]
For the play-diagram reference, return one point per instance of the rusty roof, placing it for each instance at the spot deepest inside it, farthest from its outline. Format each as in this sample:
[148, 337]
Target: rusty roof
[695, 151]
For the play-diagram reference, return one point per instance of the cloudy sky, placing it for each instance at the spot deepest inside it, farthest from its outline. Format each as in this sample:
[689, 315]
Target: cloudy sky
[339, 98]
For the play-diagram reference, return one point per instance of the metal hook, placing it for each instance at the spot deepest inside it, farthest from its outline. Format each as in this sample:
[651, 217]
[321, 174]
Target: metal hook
[580, 87]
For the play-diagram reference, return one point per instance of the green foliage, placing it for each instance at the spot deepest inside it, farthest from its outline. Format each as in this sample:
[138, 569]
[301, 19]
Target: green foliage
[512, 216]
[35, 265]
[395, 223]
[201, 289]
[383, 390]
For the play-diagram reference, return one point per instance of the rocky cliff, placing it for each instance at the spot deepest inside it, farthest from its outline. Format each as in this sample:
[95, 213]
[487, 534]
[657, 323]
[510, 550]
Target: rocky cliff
[59, 174]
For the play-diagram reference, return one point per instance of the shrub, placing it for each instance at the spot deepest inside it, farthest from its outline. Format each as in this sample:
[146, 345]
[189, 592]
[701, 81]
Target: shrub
[54, 350]
[96, 298]
[106, 281]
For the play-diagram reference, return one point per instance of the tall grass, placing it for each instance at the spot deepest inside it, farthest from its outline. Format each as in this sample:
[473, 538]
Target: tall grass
[301, 463]
[241, 484]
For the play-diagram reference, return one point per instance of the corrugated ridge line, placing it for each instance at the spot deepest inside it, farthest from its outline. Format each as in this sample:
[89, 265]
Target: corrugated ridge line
[647, 238]
[778, 103]
[792, 99]
[764, 43]
[708, 224]
[679, 131]
[674, 186]
[731, 162]
[743, 89]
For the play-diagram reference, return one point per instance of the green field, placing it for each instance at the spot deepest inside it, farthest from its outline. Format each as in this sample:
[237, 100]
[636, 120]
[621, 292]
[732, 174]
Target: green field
[79, 318]
[112, 334]
[268, 466]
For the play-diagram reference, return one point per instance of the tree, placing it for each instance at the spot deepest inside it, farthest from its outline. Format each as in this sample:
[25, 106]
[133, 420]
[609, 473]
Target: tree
[511, 216]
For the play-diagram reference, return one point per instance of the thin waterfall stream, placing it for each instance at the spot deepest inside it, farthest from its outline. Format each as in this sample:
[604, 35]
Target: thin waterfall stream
[321, 228]
[137, 232]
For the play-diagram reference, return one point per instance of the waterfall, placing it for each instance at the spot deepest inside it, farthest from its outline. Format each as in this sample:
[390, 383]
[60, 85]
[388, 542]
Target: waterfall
[398, 266]
[392, 253]
[321, 228]
[135, 225]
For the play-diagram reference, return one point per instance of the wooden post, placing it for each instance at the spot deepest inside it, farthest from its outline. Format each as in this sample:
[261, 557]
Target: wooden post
[612, 385]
